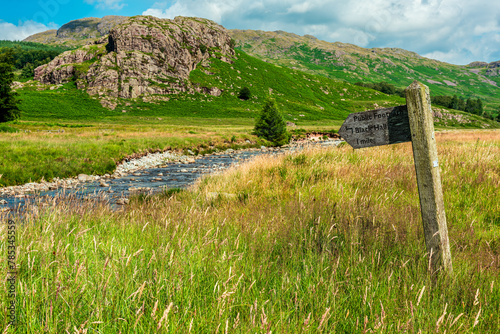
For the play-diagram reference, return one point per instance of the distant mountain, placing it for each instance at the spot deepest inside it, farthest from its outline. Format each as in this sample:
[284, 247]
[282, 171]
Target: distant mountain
[335, 60]
[353, 63]
[78, 32]
[92, 63]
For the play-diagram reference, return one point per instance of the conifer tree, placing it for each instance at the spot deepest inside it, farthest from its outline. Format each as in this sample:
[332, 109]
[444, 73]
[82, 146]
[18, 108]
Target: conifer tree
[8, 102]
[271, 125]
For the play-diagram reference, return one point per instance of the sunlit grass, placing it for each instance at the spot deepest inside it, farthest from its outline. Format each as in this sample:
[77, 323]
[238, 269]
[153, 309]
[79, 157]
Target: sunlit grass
[325, 240]
[42, 151]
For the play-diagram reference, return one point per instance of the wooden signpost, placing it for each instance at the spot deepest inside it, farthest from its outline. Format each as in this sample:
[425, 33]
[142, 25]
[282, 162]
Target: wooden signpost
[412, 122]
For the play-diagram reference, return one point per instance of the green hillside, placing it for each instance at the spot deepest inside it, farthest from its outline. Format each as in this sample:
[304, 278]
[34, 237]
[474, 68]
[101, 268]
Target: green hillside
[341, 61]
[352, 63]
[303, 98]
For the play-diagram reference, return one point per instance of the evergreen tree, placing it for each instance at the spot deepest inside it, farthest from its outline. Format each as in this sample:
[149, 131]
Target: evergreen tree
[28, 71]
[474, 106]
[479, 107]
[271, 125]
[8, 101]
[461, 104]
[454, 102]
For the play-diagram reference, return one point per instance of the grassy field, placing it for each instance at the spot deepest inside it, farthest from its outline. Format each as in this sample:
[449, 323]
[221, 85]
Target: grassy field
[325, 240]
[51, 150]
[96, 138]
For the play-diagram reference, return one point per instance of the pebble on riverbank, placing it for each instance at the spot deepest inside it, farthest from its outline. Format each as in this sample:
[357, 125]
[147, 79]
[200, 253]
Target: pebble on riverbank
[130, 167]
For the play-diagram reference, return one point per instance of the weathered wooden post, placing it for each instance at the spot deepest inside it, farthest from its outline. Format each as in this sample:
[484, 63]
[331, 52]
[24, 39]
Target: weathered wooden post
[413, 122]
[428, 178]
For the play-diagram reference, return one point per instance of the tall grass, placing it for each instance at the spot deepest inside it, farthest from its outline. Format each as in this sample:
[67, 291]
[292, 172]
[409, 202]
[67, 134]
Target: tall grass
[325, 240]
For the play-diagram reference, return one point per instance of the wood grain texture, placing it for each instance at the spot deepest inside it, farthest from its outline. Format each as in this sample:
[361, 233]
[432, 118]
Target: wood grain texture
[428, 176]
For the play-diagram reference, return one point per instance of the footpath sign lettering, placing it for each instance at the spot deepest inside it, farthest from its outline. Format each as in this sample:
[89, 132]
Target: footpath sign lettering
[377, 127]
[412, 122]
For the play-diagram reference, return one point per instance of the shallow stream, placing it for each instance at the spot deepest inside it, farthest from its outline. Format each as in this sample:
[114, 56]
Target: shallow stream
[115, 191]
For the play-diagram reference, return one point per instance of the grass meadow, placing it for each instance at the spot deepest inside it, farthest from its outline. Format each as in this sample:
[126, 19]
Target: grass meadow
[95, 139]
[44, 150]
[325, 240]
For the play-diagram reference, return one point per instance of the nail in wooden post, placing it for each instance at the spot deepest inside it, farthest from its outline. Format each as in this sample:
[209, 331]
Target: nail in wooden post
[428, 178]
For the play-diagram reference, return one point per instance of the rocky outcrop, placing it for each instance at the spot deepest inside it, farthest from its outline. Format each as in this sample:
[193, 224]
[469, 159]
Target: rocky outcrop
[478, 64]
[62, 68]
[142, 56]
[493, 69]
[495, 64]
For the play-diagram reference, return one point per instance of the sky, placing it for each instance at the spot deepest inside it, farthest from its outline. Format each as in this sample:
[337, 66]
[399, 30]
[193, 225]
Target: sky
[454, 31]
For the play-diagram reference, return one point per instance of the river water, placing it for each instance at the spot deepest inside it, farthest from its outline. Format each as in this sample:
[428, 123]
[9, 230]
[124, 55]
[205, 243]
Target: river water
[151, 180]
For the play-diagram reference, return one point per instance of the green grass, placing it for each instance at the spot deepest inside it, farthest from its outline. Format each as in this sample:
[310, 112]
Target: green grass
[95, 138]
[7, 129]
[327, 240]
[47, 150]
[370, 67]
[65, 103]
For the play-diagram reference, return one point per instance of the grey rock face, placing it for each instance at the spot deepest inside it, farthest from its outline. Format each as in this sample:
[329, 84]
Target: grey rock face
[142, 56]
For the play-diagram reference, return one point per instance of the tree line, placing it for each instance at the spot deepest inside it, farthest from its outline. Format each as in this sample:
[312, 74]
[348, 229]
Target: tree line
[471, 105]
[27, 55]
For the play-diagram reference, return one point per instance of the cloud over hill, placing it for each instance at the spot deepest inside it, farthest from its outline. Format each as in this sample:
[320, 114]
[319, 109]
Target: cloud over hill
[455, 31]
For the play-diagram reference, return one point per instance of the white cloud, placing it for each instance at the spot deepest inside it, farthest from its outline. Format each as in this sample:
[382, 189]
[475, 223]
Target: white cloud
[450, 30]
[452, 56]
[9, 31]
[300, 8]
[214, 10]
[107, 4]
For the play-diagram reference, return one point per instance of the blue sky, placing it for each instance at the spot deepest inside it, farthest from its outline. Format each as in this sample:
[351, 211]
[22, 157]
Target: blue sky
[455, 31]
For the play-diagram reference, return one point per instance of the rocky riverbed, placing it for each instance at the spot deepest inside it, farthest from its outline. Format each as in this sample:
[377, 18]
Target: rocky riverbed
[148, 174]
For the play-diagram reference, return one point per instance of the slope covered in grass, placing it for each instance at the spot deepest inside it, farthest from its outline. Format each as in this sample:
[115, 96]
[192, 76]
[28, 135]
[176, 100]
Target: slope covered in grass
[303, 98]
[353, 63]
[298, 93]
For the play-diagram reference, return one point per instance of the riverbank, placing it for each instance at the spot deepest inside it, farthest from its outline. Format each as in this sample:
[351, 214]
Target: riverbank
[143, 174]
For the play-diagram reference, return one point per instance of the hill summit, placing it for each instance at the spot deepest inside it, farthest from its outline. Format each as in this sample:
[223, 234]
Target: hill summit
[142, 56]
[78, 32]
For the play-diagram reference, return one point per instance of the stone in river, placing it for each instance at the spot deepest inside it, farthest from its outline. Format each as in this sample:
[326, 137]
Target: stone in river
[85, 178]
[122, 201]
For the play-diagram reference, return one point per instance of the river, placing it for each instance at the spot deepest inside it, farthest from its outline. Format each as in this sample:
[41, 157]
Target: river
[116, 190]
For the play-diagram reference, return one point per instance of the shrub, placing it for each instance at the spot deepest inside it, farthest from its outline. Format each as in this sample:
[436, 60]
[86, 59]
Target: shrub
[271, 125]
[8, 129]
[245, 93]
[203, 48]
